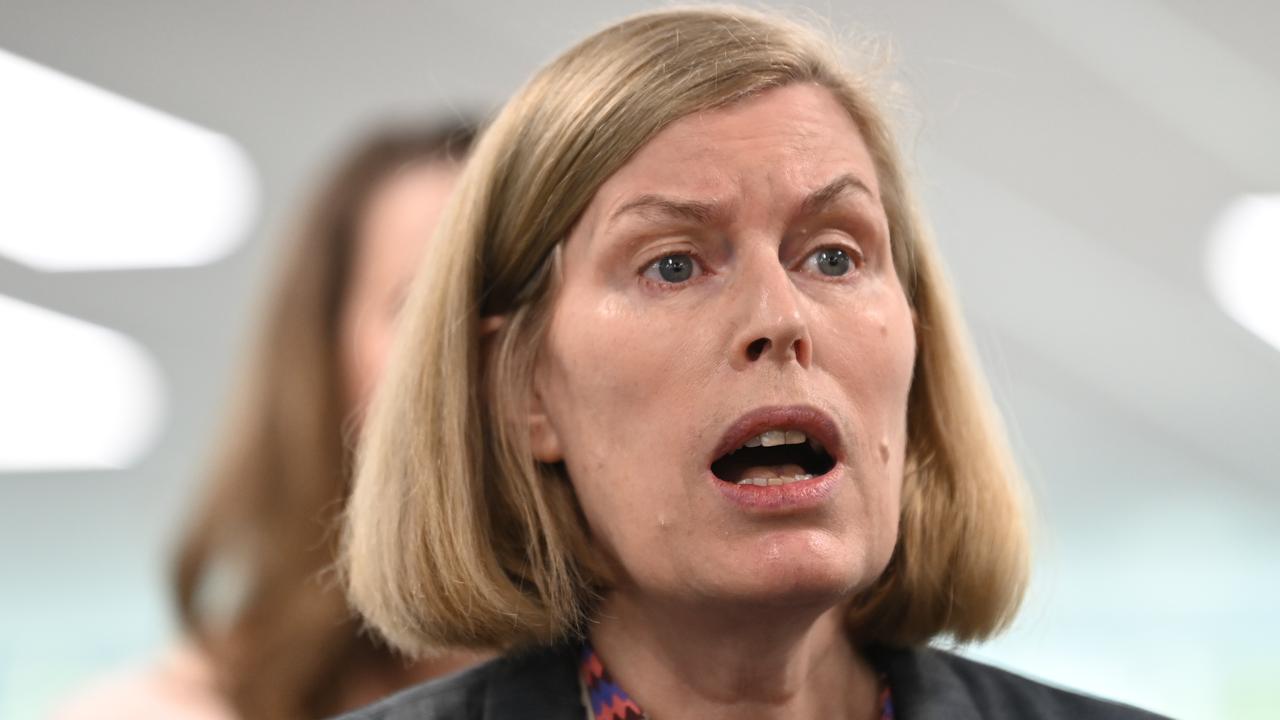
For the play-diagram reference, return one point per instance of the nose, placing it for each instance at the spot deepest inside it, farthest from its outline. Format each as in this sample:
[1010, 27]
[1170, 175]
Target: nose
[771, 323]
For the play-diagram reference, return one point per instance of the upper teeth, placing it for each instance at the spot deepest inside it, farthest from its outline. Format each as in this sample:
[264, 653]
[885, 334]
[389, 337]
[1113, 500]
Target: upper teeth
[769, 438]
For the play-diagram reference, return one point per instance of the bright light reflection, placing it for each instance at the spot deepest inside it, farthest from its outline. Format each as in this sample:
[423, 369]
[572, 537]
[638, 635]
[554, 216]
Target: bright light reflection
[73, 395]
[1243, 255]
[93, 181]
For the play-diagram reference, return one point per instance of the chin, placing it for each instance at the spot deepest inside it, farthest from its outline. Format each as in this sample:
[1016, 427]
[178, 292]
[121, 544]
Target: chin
[801, 569]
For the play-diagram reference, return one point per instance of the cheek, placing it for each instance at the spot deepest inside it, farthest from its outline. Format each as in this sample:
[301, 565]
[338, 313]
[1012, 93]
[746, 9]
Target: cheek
[351, 357]
[377, 342]
[365, 340]
[895, 330]
[871, 351]
[618, 396]
[617, 373]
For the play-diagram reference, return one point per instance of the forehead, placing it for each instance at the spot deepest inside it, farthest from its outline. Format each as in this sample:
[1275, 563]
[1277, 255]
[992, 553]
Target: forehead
[409, 196]
[785, 142]
[403, 207]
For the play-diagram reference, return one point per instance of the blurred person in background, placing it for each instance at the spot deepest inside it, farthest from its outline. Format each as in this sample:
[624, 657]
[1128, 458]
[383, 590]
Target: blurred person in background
[268, 631]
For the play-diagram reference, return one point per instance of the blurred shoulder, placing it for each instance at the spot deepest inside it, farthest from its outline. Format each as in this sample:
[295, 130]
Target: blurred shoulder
[178, 685]
[540, 683]
[931, 683]
[460, 695]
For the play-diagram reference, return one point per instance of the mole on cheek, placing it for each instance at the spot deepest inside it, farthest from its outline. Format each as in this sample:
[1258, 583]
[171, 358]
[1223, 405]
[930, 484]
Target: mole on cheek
[884, 451]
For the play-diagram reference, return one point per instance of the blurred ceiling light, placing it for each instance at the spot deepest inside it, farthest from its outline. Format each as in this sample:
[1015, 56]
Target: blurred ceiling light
[1243, 254]
[75, 395]
[91, 180]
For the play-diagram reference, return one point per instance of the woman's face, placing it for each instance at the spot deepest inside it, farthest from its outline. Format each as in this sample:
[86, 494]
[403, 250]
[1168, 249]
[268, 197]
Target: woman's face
[727, 366]
[398, 220]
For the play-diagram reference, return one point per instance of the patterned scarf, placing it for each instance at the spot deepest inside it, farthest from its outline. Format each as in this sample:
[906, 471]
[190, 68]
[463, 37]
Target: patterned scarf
[606, 701]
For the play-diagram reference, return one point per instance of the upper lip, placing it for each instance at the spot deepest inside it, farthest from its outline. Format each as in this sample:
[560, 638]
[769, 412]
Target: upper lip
[811, 421]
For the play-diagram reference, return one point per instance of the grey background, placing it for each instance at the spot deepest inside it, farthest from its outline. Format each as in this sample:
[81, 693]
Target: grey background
[1072, 158]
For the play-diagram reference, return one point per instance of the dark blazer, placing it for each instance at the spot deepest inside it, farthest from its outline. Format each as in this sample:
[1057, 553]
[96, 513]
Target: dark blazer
[927, 684]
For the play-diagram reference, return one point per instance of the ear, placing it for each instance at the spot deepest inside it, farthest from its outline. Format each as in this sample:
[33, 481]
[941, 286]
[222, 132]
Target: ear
[544, 441]
[490, 324]
[543, 438]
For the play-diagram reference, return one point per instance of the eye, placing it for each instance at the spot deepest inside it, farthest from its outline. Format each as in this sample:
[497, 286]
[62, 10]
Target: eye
[673, 269]
[832, 262]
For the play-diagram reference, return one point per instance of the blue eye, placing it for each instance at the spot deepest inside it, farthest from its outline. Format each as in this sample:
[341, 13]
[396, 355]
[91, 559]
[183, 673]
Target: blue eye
[832, 261]
[673, 269]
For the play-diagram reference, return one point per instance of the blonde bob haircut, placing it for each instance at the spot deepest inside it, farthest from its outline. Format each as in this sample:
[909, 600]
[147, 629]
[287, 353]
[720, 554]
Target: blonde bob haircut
[456, 536]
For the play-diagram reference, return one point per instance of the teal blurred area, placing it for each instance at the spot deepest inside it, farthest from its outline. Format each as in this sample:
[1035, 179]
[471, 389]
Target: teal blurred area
[1073, 158]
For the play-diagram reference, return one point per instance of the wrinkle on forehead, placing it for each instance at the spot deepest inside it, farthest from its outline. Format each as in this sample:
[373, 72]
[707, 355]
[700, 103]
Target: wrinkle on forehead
[710, 157]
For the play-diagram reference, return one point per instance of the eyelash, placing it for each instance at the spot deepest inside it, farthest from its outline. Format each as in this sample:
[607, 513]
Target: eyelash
[702, 270]
[857, 259]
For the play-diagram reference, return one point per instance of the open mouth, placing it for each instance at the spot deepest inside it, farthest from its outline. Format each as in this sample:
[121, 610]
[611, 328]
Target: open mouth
[778, 456]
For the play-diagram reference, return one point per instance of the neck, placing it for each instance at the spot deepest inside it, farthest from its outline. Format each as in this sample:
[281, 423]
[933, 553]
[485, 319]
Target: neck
[739, 662]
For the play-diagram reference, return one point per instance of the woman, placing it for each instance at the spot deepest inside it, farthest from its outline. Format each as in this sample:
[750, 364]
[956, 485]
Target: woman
[683, 418]
[286, 646]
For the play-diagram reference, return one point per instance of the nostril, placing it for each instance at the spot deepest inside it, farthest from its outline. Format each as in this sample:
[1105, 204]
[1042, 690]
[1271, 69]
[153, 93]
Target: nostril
[757, 348]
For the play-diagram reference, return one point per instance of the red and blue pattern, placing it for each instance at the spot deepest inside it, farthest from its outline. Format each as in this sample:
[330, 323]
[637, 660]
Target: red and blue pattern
[886, 699]
[610, 702]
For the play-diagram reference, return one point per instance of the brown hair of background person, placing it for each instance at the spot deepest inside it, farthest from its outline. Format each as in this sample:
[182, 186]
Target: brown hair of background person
[289, 646]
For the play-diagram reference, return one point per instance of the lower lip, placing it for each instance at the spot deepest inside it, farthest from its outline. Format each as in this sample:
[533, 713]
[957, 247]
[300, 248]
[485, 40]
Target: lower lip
[792, 497]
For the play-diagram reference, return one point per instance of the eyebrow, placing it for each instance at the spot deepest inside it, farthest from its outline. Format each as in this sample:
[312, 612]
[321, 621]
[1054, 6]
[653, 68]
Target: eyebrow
[822, 198]
[668, 208]
[702, 213]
